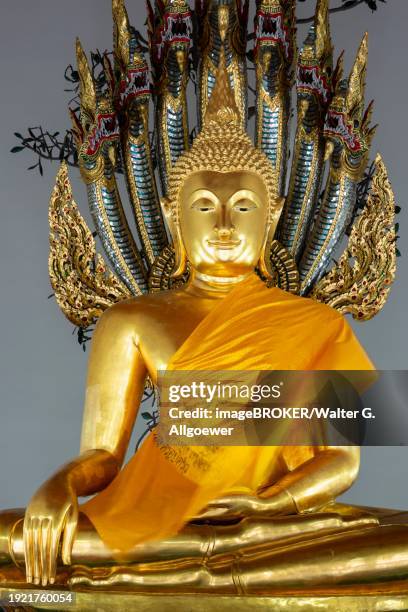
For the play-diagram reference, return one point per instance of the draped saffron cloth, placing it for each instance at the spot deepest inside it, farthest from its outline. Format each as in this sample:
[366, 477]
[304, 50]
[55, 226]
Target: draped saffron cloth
[252, 328]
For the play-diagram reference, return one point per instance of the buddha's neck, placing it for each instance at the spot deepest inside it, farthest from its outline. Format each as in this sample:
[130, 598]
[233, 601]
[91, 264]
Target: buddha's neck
[207, 286]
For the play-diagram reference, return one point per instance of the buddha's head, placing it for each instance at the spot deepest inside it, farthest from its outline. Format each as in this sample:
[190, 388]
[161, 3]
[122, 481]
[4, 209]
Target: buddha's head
[222, 206]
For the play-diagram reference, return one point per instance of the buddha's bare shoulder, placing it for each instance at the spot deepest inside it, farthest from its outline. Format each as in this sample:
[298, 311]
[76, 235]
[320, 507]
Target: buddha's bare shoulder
[160, 306]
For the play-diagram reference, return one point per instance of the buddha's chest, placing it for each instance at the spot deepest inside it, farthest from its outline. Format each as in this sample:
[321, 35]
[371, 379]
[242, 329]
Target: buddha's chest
[160, 341]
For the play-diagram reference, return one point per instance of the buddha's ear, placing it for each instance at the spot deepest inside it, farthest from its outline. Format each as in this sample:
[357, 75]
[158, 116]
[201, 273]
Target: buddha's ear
[277, 209]
[166, 206]
[264, 264]
[275, 215]
[180, 263]
[168, 215]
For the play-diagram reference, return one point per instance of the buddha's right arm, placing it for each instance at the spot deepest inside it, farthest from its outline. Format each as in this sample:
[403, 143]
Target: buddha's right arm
[115, 383]
[114, 388]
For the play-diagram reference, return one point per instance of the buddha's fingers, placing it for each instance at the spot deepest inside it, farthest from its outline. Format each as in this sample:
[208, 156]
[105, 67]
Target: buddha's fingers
[36, 534]
[214, 512]
[69, 534]
[242, 505]
[54, 544]
[45, 531]
[28, 550]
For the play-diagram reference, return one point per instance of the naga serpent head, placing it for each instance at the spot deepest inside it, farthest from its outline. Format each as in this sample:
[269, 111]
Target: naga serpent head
[226, 19]
[275, 32]
[347, 127]
[96, 130]
[171, 34]
[315, 66]
[131, 72]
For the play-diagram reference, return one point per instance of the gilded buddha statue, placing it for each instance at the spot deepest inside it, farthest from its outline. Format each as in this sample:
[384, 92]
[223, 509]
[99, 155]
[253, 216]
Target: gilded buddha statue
[242, 286]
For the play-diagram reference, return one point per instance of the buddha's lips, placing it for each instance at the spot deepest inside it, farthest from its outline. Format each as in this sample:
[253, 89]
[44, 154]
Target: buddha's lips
[106, 129]
[270, 28]
[309, 78]
[336, 126]
[224, 244]
[135, 85]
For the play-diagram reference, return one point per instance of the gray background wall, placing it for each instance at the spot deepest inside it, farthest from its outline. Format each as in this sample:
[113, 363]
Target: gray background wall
[42, 369]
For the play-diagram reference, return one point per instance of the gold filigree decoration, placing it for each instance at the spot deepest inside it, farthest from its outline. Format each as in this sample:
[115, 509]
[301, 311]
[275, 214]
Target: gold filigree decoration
[360, 282]
[284, 271]
[160, 275]
[84, 287]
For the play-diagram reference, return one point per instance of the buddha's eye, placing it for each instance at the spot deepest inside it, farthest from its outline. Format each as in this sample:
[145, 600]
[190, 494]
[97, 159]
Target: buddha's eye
[244, 206]
[204, 205]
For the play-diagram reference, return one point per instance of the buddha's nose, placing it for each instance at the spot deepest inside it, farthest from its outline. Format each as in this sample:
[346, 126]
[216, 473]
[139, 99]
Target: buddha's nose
[224, 227]
[224, 233]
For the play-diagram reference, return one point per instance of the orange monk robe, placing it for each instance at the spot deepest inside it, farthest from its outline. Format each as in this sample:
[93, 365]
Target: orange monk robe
[252, 328]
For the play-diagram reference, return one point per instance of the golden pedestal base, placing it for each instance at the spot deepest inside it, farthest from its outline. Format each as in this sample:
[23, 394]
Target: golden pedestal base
[381, 598]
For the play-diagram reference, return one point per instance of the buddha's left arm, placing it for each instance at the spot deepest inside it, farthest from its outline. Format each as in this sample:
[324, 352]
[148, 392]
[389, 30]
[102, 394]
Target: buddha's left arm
[317, 481]
[332, 470]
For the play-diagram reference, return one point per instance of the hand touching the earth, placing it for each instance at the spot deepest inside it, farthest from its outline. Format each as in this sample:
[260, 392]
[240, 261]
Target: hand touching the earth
[50, 519]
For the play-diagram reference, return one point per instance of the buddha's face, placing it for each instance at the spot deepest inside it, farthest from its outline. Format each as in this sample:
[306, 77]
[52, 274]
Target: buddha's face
[223, 221]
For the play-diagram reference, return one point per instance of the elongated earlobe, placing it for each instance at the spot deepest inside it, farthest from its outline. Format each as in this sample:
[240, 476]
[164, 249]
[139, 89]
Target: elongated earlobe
[166, 207]
[180, 264]
[264, 263]
[277, 210]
